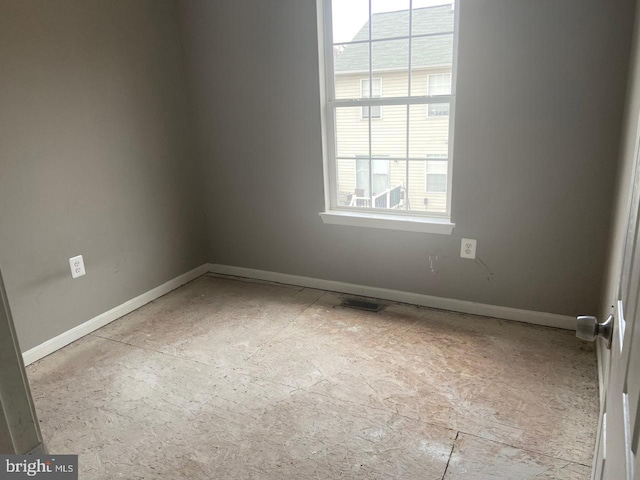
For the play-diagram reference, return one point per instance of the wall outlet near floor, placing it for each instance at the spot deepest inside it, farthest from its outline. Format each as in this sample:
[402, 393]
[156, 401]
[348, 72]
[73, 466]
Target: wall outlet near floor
[77, 266]
[468, 248]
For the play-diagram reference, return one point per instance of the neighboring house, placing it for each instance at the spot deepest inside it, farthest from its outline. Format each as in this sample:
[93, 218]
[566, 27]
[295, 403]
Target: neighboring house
[425, 176]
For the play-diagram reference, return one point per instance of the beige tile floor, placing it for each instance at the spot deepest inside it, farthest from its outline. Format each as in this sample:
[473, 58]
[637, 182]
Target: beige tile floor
[225, 378]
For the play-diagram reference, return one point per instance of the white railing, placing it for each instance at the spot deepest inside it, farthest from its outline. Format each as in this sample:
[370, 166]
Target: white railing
[390, 198]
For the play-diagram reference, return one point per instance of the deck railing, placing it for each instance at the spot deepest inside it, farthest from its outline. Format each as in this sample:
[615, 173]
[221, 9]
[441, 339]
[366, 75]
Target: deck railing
[390, 198]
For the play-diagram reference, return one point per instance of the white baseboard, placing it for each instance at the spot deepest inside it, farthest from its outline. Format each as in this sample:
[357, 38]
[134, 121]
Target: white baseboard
[64, 339]
[528, 316]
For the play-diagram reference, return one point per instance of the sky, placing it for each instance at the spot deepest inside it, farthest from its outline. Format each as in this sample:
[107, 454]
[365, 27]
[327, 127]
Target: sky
[350, 15]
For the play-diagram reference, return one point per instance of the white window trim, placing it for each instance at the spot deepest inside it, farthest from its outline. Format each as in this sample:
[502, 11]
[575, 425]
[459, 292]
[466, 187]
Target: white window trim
[396, 220]
[409, 223]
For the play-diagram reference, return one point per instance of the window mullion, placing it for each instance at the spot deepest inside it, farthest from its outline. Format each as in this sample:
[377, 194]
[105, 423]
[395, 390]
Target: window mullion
[406, 166]
[360, 102]
[410, 44]
[330, 166]
[401, 37]
[371, 205]
[329, 68]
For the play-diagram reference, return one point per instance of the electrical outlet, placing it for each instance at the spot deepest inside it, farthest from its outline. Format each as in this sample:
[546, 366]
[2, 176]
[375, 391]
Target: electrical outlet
[77, 266]
[468, 248]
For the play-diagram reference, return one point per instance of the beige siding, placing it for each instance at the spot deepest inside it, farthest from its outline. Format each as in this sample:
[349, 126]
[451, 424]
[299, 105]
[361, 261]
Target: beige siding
[428, 137]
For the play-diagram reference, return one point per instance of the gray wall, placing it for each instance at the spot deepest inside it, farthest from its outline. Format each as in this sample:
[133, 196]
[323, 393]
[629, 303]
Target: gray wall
[95, 158]
[540, 102]
[95, 136]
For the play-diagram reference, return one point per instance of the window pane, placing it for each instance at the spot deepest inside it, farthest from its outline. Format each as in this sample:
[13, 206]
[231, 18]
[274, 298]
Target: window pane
[353, 182]
[389, 19]
[390, 61]
[427, 192]
[350, 20]
[431, 19]
[367, 92]
[431, 56]
[428, 135]
[380, 176]
[432, 52]
[436, 172]
[438, 110]
[374, 172]
[439, 84]
[363, 176]
[350, 65]
[389, 134]
[386, 178]
[376, 111]
[416, 197]
[397, 185]
[352, 132]
[392, 156]
[436, 182]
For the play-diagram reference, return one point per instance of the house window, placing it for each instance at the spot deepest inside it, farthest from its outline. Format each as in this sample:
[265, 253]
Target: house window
[377, 175]
[438, 84]
[436, 176]
[375, 92]
[374, 170]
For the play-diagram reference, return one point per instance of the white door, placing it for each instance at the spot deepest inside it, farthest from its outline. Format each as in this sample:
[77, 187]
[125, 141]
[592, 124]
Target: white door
[619, 426]
[19, 427]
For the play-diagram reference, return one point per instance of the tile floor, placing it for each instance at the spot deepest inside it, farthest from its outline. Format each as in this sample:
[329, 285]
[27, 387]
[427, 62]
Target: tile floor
[225, 378]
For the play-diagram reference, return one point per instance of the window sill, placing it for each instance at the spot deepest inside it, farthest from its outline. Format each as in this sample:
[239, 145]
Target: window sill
[441, 226]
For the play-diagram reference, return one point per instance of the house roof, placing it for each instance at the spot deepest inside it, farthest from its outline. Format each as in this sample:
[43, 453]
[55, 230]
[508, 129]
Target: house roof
[394, 54]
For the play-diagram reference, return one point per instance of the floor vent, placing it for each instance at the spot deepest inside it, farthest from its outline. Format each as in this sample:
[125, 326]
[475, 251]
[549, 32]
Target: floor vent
[360, 305]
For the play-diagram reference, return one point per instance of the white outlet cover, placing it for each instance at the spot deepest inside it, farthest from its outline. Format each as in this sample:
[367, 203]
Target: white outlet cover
[77, 266]
[468, 248]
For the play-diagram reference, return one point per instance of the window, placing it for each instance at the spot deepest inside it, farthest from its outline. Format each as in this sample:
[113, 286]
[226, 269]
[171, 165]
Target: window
[378, 175]
[436, 176]
[438, 84]
[376, 171]
[438, 110]
[376, 92]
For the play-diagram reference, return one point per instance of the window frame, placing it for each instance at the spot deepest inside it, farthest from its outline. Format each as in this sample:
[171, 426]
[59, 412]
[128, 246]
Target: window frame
[371, 217]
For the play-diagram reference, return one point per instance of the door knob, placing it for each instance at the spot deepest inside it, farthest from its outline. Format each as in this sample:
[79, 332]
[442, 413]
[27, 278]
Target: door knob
[589, 329]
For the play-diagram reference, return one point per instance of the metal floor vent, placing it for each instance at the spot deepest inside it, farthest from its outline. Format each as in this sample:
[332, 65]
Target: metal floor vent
[360, 305]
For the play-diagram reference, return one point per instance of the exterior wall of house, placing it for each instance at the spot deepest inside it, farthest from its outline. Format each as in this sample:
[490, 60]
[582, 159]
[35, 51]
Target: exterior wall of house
[428, 137]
